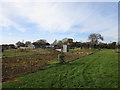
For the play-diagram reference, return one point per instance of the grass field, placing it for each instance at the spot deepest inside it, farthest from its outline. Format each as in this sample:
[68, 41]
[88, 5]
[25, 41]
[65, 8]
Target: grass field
[99, 70]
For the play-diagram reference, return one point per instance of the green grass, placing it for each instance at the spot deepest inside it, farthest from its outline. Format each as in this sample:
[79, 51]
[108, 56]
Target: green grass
[99, 70]
[82, 50]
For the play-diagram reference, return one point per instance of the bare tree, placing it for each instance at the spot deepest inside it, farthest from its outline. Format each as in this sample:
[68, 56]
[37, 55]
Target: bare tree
[94, 38]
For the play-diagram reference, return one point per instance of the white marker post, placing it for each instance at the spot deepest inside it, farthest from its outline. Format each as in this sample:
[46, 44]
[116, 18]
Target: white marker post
[64, 48]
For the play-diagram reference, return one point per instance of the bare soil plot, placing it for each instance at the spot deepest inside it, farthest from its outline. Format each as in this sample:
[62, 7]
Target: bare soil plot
[16, 62]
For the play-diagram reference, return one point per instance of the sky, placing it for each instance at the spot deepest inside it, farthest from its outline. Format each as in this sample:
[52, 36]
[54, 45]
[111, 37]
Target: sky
[32, 21]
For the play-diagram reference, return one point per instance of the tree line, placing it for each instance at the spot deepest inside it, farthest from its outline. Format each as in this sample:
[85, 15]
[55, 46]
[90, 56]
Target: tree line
[94, 42]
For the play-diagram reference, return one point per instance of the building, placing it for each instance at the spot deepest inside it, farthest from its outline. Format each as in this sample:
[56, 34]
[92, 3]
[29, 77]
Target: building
[30, 46]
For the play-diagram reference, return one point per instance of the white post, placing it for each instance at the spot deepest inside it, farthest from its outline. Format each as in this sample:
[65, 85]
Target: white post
[64, 48]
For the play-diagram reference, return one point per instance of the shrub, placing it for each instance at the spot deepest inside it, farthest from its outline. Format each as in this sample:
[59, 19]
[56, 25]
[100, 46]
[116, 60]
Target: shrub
[61, 58]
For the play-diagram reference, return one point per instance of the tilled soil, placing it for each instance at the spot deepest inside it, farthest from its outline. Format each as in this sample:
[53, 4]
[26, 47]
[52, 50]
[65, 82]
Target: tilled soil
[19, 65]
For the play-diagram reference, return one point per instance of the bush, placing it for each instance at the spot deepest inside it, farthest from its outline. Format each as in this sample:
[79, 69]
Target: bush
[61, 58]
[2, 50]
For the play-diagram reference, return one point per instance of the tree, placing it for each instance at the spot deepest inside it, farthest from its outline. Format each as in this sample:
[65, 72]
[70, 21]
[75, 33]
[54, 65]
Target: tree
[59, 44]
[55, 42]
[27, 43]
[20, 44]
[11, 46]
[94, 38]
[112, 45]
[47, 44]
[40, 43]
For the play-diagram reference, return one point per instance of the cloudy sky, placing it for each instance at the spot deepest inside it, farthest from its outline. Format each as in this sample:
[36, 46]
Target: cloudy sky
[31, 21]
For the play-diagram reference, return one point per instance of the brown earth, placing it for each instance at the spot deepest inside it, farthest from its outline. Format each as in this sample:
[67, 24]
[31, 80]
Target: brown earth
[19, 65]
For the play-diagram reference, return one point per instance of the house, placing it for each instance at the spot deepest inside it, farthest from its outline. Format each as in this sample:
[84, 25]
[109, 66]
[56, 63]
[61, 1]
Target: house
[30, 46]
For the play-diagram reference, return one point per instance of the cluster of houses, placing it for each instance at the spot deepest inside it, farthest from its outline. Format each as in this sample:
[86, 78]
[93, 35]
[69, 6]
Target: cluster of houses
[33, 46]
